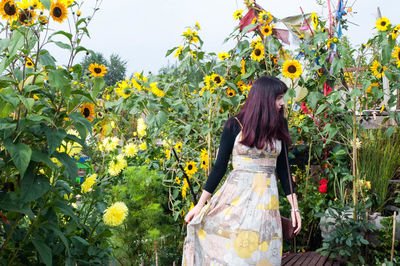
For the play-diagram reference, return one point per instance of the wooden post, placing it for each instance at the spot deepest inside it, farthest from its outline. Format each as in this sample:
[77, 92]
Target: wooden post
[394, 235]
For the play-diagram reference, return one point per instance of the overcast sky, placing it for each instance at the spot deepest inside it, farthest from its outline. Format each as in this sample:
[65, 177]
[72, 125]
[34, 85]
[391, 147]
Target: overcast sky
[142, 31]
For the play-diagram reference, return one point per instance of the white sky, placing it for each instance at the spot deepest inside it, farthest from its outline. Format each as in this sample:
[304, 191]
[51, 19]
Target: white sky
[141, 32]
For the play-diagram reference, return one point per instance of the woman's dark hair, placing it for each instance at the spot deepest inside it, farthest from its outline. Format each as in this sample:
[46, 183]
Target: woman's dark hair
[262, 121]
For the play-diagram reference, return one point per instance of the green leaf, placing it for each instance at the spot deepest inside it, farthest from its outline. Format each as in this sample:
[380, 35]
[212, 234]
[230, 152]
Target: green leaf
[27, 102]
[81, 240]
[40, 157]
[63, 184]
[170, 51]
[4, 124]
[389, 132]
[355, 93]
[6, 110]
[30, 88]
[59, 78]
[16, 43]
[46, 4]
[63, 45]
[70, 165]
[44, 251]
[54, 137]
[20, 154]
[66, 34]
[161, 118]
[45, 58]
[337, 64]
[321, 108]
[79, 122]
[98, 84]
[64, 208]
[60, 235]
[34, 186]
[313, 98]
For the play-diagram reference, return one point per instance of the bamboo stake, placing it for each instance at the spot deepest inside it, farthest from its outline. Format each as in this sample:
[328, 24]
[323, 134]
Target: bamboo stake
[394, 234]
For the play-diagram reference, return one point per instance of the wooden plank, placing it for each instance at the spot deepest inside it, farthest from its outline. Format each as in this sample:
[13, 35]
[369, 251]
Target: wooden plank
[328, 263]
[287, 261]
[302, 259]
[322, 260]
[287, 257]
[310, 257]
[336, 263]
[294, 260]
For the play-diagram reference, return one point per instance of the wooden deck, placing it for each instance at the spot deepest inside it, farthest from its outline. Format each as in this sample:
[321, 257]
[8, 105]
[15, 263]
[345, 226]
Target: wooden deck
[307, 258]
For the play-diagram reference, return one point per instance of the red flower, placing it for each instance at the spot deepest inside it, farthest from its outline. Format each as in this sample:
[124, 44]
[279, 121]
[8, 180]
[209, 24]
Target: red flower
[323, 188]
[323, 181]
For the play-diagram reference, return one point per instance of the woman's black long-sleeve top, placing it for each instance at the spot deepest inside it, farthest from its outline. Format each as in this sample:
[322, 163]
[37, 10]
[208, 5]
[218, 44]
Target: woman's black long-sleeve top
[228, 137]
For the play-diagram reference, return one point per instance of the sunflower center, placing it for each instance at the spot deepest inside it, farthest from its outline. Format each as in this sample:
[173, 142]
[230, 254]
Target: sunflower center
[86, 112]
[190, 167]
[257, 52]
[10, 9]
[25, 16]
[204, 162]
[217, 79]
[57, 12]
[383, 23]
[292, 69]
[398, 55]
[97, 70]
[266, 30]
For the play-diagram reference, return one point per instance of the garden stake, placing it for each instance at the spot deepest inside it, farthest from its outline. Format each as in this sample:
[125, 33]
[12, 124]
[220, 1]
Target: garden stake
[394, 234]
[187, 178]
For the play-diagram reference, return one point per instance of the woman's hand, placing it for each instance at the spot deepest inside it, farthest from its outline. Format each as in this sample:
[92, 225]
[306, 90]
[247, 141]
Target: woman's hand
[296, 220]
[193, 212]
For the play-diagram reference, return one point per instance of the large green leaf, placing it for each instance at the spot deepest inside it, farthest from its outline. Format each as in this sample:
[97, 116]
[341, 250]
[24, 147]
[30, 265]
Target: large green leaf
[54, 137]
[79, 122]
[20, 154]
[60, 78]
[46, 4]
[313, 98]
[44, 251]
[40, 157]
[16, 43]
[98, 84]
[34, 186]
[161, 118]
[70, 165]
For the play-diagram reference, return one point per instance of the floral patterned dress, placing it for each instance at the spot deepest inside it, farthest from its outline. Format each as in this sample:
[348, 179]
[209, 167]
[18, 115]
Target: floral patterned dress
[241, 223]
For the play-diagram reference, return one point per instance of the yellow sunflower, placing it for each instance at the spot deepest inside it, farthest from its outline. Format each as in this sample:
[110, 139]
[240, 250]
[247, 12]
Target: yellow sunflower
[204, 159]
[190, 168]
[223, 56]
[217, 79]
[369, 89]
[238, 14]
[43, 20]
[191, 36]
[265, 17]
[97, 70]
[8, 10]
[230, 92]
[58, 11]
[258, 52]
[243, 67]
[36, 4]
[382, 24]
[178, 51]
[267, 30]
[395, 32]
[291, 69]
[314, 19]
[28, 62]
[377, 69]
[396, 55]
[87, 111]
[26, 16]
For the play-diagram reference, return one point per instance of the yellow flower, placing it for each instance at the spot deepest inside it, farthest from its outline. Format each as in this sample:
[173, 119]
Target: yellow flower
[377, 69]
[70, 147]
[124, 89]
[217, 79]
[155, 90]
[143, 146]
[117, 164]
[131, 150]
[243, 67]
[168, 154]
[8, 10]
[367, 184]
[382, 24]
[369, 89]
[265, 17]
[223, 56]
[382, 108]
[26, 15]
[230, 92]
[78, 13]
[88, 183]
[190, 168]
[291, 69]
[396, 55]
[266, 30]
[115, 214]
[178, 51]
[395, 32]
[204, 159]
[238, 14]
[178, 147]
[314, 19]
[87, 111]
[141, 127]
[28, 62]
[245, 243]
[177, 180]
[191, 206]
[109, 144]
[58, 11]
[197, 26]
[97, 70]
[258, 52]
[191, 36]
[43, 20]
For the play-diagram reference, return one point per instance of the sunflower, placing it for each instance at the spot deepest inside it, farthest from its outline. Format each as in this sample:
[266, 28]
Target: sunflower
[265, 17]
[217, 79]
[396, 53]
[291, 69]
[204, 159]
[243, 67]
[58, 11]
[377, 69]
[382, 24]
[230, 92]
[223, 56]
[258, 52]
[87, 111]
[395, 32]
[321, 71]
[314, 19]
[335, 40]
[267, 29]
[190, 168]
[28, 62]
[36, 4]
[369, 89]
[238, 14]
[8, 10]
[97, 70]
[178, 51]
[26, 16]
[43, 20]
[191, 36]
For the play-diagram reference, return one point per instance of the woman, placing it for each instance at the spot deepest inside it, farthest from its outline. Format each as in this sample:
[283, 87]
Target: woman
[241, 223]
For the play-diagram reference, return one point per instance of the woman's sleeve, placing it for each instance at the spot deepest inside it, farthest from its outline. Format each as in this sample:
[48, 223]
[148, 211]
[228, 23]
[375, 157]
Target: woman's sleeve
[227, 141]
[282, 168]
